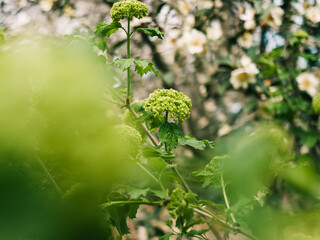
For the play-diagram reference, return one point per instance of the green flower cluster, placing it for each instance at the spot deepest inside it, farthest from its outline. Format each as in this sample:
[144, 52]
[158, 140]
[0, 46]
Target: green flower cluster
[316, 103]
[168, 100]
[131, 138]
[128, 9]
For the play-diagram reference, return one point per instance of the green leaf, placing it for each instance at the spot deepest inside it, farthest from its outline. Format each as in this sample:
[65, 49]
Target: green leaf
[144, 116]
[136, 193]
[118, 214]
[169, 134]
[152, 32]
[211, 175]
[310, 139]
[193, 232]
[145, 66]
[141, 66]
[209, 203]
[105, 29]
[160, 193]
[1, 35]
[193, 142]
[123, 63]
[102, 45]
[166, 237]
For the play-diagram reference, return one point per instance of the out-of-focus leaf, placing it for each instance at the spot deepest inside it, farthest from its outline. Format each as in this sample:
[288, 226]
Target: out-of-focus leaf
[152, 32]
[105, 29]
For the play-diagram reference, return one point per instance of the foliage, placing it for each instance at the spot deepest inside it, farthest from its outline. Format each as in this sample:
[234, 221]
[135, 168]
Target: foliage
[89, 155]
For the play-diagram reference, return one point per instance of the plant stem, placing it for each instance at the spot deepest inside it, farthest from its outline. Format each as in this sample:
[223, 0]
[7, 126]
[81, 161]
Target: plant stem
[128, 69]
[226, 224]
[156, 143]
[151, 137]
[184, 183]
[51, 178]
[114, 203]
[226, 198]
[152, 176]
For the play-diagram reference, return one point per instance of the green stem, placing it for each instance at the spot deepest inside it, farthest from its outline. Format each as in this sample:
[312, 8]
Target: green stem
[128, 69]
[51, 178]
[152, 176]
[184, 183]
[114, 203]
[226, 198]
[226, 224]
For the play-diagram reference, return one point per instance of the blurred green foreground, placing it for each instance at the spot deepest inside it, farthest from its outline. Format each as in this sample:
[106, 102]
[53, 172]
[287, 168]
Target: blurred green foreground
[59, 154]
[56, 141]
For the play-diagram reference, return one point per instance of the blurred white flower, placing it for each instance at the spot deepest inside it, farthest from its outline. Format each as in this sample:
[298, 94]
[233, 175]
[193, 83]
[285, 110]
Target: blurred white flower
[248, 65]
[46, 5]
[68, 10]
[194, 41]
[184, 7]
[218, 4]
[313, 14]
[250, 25]
[308, 82]
[246, 40]
[274, 18]
[241, 78]
[205, 4]
[214, 32]
[189, 22]
[172, 37]
[248, 15]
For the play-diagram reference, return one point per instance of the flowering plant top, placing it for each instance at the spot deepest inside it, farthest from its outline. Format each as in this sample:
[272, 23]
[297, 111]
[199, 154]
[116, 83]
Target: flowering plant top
[168, 100]
[128, 9]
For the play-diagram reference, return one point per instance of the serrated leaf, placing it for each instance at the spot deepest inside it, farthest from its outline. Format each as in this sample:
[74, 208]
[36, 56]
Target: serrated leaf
[123, 63]
[193, 142]
[145, 66]
[105, 29]
[169, 135]
[136, 193]
[160, 193]
[152, 32]
[118, 214]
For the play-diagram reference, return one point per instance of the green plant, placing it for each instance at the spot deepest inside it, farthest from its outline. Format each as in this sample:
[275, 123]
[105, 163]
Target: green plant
[164, 110]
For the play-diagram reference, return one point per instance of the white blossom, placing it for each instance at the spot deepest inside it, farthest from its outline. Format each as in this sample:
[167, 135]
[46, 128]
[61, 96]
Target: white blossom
[46, 5]
[246, 40]
[248, 15]
[313, 14]
[308, 82]
[194, 41]
[274, 18]
[240, 78]
[214, 32]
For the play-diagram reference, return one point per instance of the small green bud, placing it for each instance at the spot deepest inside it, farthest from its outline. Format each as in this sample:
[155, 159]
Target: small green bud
[128, 9]
[168, 100]
[301, 34]
[316, 103]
